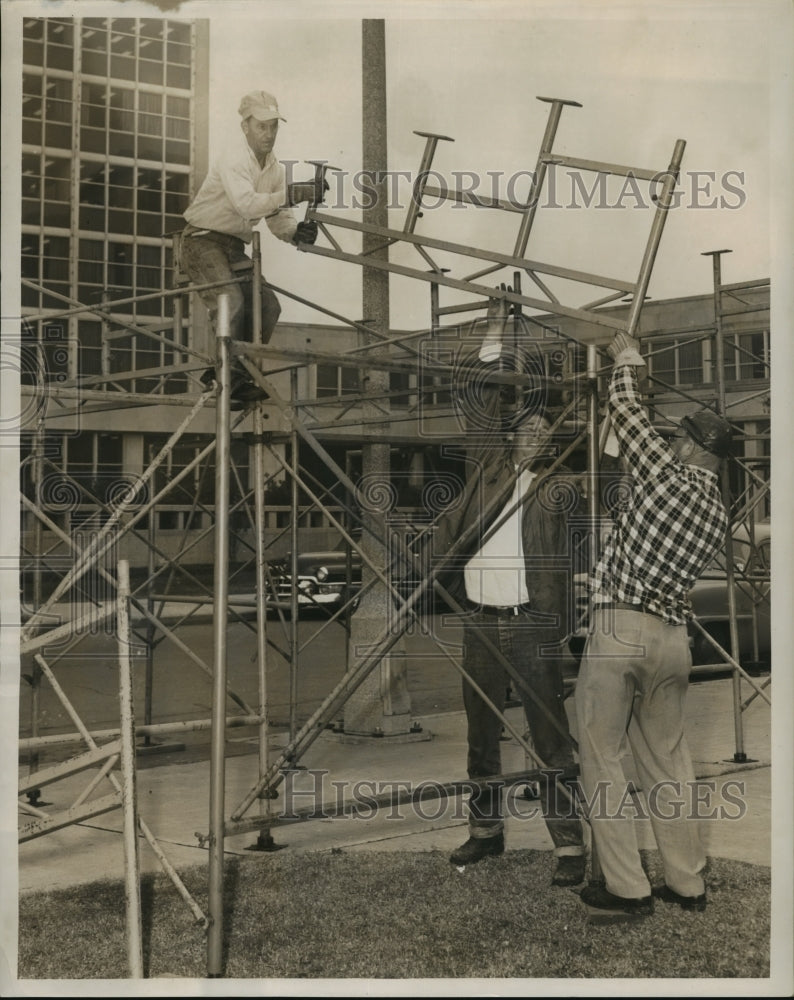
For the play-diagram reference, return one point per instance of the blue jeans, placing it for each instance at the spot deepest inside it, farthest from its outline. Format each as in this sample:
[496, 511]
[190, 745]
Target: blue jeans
[212, 258]
[520, 640]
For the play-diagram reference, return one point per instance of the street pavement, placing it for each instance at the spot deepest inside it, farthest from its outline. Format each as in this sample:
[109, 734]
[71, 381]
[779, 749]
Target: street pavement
[173, 790]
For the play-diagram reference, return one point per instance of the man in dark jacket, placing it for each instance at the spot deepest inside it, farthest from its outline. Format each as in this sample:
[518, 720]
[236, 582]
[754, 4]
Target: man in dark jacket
[512, 580]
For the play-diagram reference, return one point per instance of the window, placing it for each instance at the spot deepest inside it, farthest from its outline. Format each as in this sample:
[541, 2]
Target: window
[31, 260]
[33, 42]
[56, 189]
[55, 264]
[677, 362]
[90, 351]
[334, 381]
[60, 43]
[121, 218]
[150, 52]
[31, 189]
[129, 185]
[93, 118]
[747, 355]
[91, 271]
[32, 109]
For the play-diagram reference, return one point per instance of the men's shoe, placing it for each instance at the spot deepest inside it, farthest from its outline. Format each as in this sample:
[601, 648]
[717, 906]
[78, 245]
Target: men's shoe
[668, 895]
[207, 377]
[570, 870]
[477, 848]
[600, 898]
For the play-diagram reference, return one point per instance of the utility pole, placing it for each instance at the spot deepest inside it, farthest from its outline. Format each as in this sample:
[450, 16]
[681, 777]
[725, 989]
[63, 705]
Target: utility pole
[381, 706]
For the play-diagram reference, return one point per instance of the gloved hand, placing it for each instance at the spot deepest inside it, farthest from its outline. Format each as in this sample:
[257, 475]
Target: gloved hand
[625, 350]
[498, 311]
[305, 233]
[310, 191]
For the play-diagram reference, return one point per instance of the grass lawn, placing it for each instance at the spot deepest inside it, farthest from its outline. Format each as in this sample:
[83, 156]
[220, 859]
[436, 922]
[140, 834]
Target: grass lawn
[399, 916]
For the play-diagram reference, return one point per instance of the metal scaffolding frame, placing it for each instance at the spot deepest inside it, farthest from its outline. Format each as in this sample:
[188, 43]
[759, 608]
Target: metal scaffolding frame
[130, 510]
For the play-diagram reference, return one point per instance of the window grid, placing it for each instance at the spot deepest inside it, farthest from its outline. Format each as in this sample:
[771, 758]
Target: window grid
[689, 362]
[133, 130]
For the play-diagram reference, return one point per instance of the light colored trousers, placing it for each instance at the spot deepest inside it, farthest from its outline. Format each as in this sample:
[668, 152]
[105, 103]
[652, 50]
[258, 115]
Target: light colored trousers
[632, 683]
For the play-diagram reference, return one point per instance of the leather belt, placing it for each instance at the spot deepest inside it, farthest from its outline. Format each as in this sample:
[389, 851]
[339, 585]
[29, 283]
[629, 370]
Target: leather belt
[506, 611]
[623, 606]
[192, 232]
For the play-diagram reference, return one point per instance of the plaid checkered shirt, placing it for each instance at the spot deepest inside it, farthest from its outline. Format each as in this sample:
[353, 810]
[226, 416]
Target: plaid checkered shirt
[670, 525]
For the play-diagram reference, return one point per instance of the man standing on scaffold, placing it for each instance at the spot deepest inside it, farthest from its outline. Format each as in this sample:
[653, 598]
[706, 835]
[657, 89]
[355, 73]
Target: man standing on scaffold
[245, 185]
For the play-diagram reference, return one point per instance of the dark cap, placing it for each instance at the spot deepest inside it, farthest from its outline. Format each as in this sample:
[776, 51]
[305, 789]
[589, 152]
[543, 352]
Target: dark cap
[710, 431]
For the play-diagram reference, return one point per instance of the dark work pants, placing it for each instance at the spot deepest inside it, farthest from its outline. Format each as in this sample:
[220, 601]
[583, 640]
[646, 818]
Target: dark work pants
[212, 258]
[520, 641]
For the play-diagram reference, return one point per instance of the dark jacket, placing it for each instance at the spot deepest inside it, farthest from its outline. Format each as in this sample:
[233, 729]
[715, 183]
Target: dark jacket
[547, 517]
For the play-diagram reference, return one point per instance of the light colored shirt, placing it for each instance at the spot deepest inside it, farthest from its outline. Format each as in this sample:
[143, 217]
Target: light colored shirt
[237, 194]
[496, 574]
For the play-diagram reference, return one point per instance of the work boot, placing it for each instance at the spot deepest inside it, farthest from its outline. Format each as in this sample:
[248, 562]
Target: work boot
[570, 870]
[477, 848]
[600, 898]
[668, 895]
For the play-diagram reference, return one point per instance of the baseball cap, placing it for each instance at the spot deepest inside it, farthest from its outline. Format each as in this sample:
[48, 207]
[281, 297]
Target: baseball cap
[261, 105]
[709, 430]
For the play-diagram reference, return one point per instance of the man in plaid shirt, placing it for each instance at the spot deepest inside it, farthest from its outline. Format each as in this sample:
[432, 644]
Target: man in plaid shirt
[635, 669]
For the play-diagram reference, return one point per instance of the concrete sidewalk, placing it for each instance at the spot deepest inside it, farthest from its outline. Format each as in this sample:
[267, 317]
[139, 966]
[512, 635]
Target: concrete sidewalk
[173, 798]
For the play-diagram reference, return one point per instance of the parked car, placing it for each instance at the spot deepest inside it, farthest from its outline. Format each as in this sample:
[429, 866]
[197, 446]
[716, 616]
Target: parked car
[752, 559]
[327, 578]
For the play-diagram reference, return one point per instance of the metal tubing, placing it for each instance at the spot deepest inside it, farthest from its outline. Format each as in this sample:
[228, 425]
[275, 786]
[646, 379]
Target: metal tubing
[595, 318]
[156, 729]
[657, 228]
[729, 660]
[129, 801]
[600, 167]
[150, 838]
[95, 550]
[98, 615]
[220, 610]
[151, 629]
[508, 260]
[294, 606]
[593, 507]
[540, 170]
[414, 209]
[259, 534]
[179, 312]
[37, 474]
[730, 577]
[593, 452]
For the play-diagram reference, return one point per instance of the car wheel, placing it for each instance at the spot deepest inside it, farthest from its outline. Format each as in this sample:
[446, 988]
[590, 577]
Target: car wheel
[703, 651]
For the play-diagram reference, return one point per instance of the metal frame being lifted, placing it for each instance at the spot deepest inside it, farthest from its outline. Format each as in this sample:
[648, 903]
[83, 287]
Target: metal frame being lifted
[270, 772]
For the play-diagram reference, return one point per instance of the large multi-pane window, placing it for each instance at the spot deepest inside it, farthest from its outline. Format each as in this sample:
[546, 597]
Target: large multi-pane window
[96, 223]
[690, 360]
[337, 381]
[747, 355]
[677, 362]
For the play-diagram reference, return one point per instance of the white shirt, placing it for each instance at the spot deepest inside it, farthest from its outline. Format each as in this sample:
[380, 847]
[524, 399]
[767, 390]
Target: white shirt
[496, 574]
[237, 194]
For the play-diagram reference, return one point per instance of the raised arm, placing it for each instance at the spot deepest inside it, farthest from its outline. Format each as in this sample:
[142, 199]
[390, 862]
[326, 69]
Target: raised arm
[639, 442]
